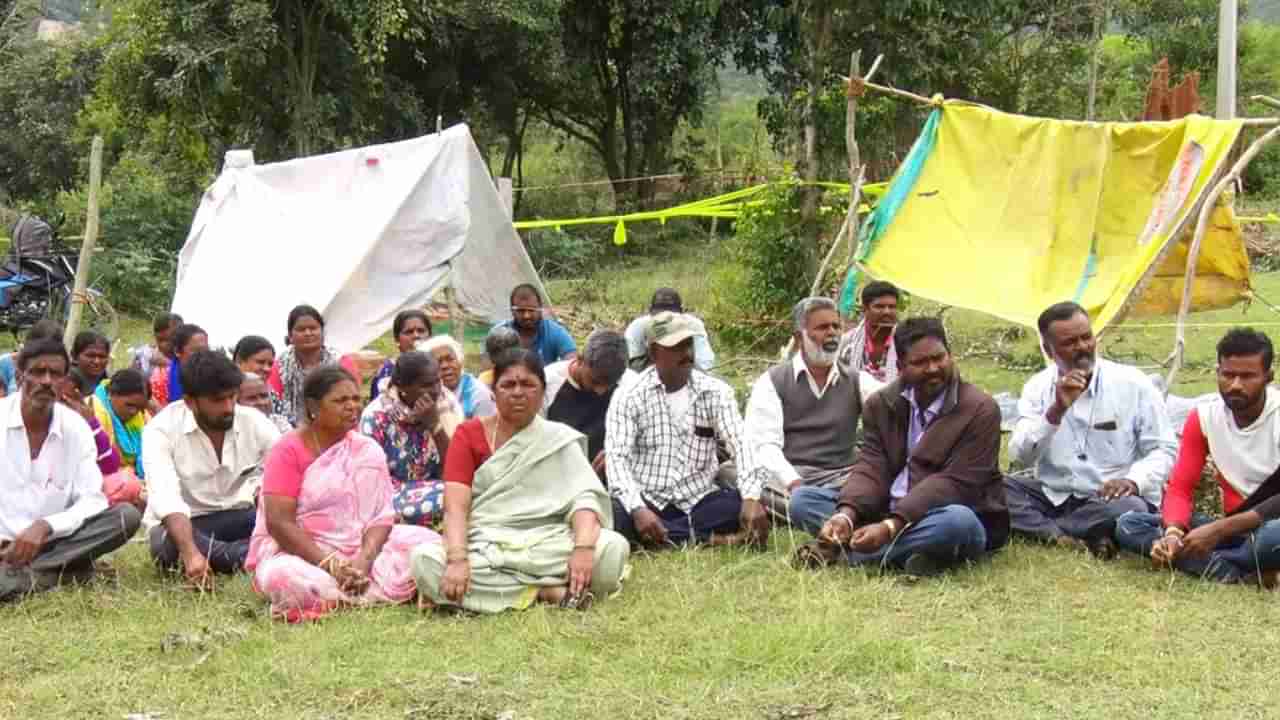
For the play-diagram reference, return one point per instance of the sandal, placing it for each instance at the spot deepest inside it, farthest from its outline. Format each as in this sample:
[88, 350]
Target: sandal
[581, 602]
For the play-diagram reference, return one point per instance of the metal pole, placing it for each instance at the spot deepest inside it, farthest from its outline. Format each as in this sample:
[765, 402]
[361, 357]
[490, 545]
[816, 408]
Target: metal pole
[90, 240]
[1228, 11]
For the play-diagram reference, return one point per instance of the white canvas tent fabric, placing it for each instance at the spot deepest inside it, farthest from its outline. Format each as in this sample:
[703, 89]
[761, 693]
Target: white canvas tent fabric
[359, 234]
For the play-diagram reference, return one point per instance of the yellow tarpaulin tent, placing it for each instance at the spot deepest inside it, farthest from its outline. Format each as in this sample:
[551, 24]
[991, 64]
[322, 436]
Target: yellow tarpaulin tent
[1007, 214]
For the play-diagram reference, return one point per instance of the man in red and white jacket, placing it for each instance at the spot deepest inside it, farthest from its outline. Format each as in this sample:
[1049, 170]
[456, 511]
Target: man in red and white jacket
[1240, 429]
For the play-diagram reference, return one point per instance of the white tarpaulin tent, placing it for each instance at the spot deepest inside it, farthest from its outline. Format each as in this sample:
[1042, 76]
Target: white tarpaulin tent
[359, 234]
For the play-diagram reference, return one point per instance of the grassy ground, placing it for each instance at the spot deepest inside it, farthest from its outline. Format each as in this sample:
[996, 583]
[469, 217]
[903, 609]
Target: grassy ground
[1036, 632]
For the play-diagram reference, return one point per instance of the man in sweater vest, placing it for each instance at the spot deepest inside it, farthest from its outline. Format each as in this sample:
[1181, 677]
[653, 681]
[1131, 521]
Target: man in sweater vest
[1240, 428]
[802, 420]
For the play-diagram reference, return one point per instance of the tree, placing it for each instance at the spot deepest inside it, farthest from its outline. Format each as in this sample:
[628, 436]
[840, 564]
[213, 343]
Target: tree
[1004, 53]
[1186, 32]
[627, 73]
[43, 85]
[260, 72]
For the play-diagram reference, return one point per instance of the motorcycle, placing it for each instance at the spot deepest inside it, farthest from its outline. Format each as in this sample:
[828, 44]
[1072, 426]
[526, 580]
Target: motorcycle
[37, 281]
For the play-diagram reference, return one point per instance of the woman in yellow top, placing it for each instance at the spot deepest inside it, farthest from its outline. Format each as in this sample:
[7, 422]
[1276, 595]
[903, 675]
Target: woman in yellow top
[120, 404]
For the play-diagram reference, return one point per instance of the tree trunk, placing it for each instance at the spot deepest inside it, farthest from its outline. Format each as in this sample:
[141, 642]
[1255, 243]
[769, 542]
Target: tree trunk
[819, 40]
[302, 53]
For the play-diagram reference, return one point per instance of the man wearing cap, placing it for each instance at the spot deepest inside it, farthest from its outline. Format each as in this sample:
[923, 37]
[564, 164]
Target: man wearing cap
[667, 300]
[660, 446]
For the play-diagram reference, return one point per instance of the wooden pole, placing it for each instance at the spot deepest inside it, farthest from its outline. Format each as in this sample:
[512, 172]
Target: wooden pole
[87, 246]
[1193, 253]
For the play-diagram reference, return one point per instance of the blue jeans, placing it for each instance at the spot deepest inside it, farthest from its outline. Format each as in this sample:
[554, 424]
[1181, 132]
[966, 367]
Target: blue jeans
[949, 535]
[811, 506]
[1236, 559]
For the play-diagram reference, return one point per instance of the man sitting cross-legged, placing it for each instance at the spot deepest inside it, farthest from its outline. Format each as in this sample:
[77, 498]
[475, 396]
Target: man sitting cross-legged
[1096, 435]
[925, 493]
[204, 458]
[1240, 429]
[660, 445]
[579, 391]
[54, 519]
[802, 420]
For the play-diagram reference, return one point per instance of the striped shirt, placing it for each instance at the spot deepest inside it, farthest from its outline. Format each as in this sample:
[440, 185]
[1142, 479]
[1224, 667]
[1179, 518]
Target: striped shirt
[655, 457]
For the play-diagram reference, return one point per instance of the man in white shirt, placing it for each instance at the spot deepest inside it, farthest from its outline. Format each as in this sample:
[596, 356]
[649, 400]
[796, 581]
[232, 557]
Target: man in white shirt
[204, 458]
[54, 519]
[667, 300]
[802, 421]
[1096, 435]
[579, 391]
[661, 450]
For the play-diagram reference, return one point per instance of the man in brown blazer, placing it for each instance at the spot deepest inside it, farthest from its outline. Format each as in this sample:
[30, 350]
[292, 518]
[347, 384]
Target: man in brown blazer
[925, 493]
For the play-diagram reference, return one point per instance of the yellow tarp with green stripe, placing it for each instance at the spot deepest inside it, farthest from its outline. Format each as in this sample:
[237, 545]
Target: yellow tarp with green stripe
[1009, 214]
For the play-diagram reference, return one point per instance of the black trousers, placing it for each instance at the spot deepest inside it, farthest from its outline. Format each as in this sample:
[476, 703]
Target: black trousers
[223, 537]
[71, 557]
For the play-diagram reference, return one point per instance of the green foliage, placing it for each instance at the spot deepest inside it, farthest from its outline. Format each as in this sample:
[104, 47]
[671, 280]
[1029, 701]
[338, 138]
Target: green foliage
[774, 255]
[144, 221]
[1186, 31]
[559, 254]
[42, 88]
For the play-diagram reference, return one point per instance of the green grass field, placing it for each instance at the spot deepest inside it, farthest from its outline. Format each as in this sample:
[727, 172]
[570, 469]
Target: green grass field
[1035, 632]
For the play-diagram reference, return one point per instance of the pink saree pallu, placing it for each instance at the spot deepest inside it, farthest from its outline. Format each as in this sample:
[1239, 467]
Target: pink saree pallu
[345, 492]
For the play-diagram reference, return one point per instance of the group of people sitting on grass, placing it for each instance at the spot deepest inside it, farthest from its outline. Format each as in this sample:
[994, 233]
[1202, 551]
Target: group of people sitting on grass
[533, 481]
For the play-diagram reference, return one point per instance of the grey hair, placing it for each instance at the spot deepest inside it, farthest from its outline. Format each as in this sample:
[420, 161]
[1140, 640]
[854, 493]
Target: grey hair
[804, 308]
[606, 355]
[500, 339]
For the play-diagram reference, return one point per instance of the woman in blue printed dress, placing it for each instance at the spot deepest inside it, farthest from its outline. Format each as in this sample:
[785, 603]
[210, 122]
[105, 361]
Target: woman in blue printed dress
[412, 420]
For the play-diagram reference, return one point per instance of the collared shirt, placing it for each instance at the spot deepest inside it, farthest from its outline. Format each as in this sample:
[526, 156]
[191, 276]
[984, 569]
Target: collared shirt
[653, 457]
[552, 341]
[62, 486]
[704, 358]
[1117, 428]
[764, 419]
[184, 474]
[921, 419]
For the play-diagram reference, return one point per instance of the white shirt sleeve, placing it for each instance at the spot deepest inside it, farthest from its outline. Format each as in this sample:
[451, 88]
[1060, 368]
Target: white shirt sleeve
[164, 488]
[764, 430]
[868, 385]
[1032, 433]
[619, 441]
[1157, 445]
[86, 482]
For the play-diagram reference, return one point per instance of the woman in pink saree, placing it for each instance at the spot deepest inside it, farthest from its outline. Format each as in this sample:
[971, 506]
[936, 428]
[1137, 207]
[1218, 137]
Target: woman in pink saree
[326, 536]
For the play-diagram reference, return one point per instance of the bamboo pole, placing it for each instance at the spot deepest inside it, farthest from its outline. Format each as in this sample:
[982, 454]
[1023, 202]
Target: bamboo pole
[1193, 253]
[857, 174]
[87, 246]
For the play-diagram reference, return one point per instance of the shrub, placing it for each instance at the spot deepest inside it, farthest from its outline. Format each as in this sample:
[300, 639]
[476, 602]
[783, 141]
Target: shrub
[773, 257]
[144, 218]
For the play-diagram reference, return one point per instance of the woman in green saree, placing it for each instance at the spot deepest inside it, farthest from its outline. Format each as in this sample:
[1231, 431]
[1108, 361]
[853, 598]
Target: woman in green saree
[525, 518]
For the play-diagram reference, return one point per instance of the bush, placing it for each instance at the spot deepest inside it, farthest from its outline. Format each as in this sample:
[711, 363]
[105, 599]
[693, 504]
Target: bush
[559, 254]
[145, 215]
[774, 254]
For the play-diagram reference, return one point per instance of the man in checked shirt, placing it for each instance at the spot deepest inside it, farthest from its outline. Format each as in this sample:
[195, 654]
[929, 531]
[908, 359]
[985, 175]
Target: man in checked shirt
[660, 445]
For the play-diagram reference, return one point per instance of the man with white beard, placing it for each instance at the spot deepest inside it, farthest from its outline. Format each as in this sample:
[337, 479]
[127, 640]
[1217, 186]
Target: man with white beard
[802, 417]
[1095, 434]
